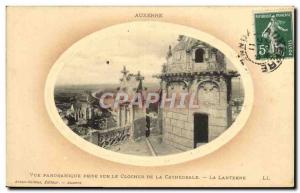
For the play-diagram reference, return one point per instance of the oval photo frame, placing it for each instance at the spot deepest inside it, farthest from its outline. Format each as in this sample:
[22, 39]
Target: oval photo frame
[199, 152]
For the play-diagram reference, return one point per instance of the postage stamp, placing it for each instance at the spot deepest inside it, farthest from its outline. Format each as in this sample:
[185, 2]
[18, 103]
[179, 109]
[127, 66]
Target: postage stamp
[274, 35]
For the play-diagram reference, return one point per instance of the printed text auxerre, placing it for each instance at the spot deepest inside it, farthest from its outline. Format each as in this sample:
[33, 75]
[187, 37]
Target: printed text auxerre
[149, 15]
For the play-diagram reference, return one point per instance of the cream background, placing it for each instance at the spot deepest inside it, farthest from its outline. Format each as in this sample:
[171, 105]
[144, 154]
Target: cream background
[36, 36]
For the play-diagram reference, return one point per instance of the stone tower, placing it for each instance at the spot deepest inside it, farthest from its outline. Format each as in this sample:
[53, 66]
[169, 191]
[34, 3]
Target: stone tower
[194, 67]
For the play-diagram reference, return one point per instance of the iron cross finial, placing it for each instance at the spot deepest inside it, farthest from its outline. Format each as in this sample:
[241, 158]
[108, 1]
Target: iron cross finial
[124, 71]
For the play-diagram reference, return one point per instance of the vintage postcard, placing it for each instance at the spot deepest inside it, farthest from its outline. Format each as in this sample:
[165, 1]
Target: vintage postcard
[150, 97]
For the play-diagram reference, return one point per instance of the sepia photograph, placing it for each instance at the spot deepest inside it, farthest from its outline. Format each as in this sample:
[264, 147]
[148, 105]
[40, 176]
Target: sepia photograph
[149, 94]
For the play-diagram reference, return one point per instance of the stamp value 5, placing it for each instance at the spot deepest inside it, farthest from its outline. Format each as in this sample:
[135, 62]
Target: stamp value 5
[274, 35]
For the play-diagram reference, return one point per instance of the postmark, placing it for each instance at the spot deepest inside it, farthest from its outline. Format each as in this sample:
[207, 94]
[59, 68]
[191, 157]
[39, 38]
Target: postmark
[247, 52]
[270, 42]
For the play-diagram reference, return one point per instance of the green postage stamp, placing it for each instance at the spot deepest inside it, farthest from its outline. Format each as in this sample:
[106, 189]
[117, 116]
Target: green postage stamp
[274, 35]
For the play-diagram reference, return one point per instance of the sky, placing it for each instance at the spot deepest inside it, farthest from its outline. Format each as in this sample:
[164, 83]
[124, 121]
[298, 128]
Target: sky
[139, 49]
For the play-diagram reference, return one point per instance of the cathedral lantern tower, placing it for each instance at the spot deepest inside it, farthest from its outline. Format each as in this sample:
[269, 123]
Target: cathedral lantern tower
[197, 68]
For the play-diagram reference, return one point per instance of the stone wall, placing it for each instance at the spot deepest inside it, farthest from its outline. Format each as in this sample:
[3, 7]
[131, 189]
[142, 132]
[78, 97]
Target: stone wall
[138, 123]
[217, 119]
[178, 129]
[139, 128]
[178, 125]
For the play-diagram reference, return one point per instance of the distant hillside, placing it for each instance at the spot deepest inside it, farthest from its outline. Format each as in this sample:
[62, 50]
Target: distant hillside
[237, 88]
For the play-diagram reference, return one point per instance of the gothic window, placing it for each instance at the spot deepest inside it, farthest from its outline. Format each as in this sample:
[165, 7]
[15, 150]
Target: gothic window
[199, 55]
